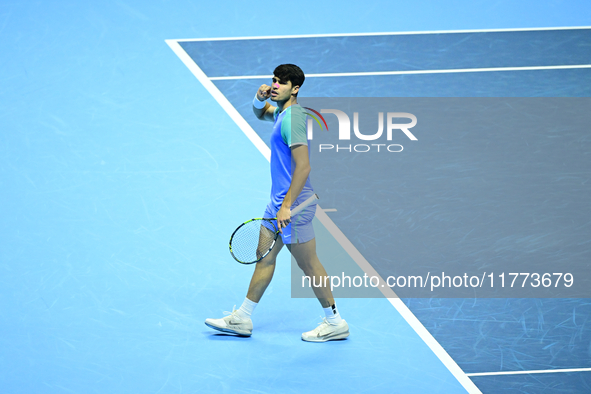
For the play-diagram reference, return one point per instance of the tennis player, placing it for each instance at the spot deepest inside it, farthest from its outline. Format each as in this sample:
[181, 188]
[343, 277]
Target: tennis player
[290, 169]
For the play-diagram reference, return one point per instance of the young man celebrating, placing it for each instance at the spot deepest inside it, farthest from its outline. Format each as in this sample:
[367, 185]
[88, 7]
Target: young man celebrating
[290, 167]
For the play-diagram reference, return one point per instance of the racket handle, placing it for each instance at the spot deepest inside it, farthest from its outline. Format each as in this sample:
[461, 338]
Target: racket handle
[303, 205]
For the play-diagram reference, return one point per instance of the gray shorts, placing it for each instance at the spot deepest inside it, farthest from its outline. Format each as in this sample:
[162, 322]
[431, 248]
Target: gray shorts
[300, 229]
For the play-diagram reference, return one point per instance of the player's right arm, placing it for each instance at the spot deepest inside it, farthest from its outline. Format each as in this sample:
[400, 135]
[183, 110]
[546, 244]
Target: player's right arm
[265, 113]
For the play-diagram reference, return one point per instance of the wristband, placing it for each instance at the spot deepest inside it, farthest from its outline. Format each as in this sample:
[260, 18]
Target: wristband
[258, 104]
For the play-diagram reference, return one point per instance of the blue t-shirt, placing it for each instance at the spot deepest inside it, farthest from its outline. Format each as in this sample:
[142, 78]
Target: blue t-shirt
[289, 130]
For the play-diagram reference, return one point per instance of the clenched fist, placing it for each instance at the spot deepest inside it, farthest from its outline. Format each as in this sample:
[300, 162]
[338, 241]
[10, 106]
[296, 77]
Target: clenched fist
[264, 92]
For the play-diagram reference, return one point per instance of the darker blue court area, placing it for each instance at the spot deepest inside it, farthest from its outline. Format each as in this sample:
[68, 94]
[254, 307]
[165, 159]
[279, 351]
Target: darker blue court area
[375, 53]
[480, 334]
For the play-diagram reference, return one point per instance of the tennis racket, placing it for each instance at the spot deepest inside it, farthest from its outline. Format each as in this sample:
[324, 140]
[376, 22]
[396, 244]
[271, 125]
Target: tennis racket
[255, 238]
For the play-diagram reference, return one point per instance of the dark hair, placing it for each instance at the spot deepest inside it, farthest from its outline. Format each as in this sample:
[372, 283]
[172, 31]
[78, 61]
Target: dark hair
[290, 72]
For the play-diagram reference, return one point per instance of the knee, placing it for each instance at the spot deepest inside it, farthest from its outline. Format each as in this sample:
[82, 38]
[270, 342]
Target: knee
[267, 261]
[304, 265]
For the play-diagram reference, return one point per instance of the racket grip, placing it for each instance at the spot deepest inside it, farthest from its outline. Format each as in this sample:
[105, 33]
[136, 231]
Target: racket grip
[303, 205]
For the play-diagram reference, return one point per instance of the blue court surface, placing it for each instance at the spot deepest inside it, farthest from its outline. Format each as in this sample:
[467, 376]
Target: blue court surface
[129, 154]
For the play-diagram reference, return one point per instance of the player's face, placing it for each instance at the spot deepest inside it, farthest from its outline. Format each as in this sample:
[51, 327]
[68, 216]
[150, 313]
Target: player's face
[282, 90]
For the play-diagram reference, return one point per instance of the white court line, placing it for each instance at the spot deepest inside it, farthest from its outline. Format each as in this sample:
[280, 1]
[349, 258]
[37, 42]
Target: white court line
[221, 99]
[402, 309]
[410, 72]
[529, 372]
[397, 303]
[384, 34]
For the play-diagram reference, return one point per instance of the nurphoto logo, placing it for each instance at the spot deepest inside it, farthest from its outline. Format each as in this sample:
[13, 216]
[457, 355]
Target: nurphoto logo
[344, 132]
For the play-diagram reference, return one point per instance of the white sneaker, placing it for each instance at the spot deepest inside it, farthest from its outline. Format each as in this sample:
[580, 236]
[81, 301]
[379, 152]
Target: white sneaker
[231, 324]
[327, 332]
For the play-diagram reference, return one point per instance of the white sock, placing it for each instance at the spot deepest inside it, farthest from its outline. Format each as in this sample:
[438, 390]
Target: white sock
[246, 309]
[332, 314]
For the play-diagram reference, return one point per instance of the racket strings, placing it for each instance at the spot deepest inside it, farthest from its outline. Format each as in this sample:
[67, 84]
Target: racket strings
[253, 240]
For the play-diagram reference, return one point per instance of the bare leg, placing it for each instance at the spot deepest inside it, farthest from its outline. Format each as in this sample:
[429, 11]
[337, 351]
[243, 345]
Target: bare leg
[263, 273]
[305, 255]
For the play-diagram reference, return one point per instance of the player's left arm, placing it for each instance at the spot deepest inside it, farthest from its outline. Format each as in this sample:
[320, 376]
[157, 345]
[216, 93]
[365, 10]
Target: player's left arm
[301, 161]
